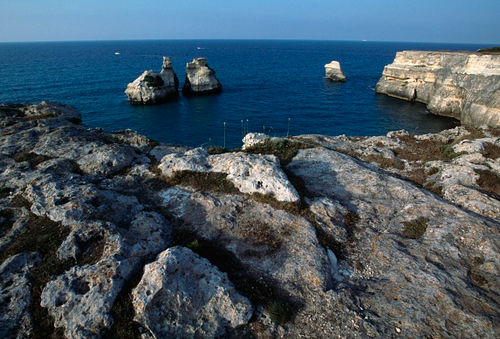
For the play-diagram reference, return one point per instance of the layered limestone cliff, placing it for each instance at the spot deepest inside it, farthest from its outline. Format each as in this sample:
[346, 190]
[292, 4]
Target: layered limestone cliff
[462, 85]
[112, 235]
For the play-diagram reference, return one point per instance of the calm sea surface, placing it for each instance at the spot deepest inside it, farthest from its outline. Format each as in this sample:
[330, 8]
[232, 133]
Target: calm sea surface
[273, 86]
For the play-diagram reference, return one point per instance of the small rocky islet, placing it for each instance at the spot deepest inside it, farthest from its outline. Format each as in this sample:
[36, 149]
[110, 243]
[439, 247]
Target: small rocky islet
[113, 235]
[153, 88]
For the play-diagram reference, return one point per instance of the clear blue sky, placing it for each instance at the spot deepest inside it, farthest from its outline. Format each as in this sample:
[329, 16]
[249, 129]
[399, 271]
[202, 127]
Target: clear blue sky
[462, 21]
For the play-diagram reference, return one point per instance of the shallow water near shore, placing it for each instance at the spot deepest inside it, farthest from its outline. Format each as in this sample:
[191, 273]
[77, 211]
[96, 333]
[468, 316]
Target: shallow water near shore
[276, 87]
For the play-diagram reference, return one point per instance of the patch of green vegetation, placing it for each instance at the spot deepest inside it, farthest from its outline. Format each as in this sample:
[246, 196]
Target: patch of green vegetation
[489, 181]
[32, 158]
[155, 81]
[205, 182]
[448, 153]
[493, 50]
[416, 228]
[278, 311]
[285, 149]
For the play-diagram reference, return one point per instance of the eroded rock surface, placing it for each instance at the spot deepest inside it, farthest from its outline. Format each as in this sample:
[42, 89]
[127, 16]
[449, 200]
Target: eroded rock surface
[152, 87]
[249, 173]
[462, 85]
[334, 72]
[200, 79]
[388, 236]
[182, 295]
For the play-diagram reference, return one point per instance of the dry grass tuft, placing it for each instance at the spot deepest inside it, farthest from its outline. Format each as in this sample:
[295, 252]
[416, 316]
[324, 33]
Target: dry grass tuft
[415, 229]
[489, 181]
[205, 182]
[384, 162]
[491, 151]
[284, 149]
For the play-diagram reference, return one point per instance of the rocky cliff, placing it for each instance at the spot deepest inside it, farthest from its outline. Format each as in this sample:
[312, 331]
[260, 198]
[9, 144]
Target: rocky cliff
[112, 235]
[200, 79]
[462, 85]
[334, 72]
[151, 87]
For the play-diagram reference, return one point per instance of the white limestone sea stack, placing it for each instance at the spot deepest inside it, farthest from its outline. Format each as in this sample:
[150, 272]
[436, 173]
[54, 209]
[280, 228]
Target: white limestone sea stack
[334, 72]
[200, 79]
[152, 87]
[463, 85]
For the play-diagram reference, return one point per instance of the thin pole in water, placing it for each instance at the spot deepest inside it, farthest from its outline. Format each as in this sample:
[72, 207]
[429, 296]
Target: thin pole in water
[224, 134]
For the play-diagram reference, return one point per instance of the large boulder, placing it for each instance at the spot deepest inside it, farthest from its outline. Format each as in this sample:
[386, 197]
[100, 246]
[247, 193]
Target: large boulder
[152, 88]
[334, 72]
[200, 79]
[182, 295]
[249, 173]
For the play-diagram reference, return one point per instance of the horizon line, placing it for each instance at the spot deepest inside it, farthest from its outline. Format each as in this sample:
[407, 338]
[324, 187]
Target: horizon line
[247, 39]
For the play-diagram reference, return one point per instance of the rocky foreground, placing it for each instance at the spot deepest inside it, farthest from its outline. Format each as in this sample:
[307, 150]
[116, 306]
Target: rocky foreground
[112, 235]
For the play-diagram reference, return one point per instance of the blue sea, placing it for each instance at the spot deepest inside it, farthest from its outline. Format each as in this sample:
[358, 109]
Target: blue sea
[276, 87]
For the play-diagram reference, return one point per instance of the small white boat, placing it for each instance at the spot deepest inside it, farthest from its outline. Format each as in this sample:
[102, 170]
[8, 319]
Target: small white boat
[117, 53]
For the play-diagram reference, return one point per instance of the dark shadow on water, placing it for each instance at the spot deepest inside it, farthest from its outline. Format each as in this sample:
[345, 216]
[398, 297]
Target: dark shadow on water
[416, 119]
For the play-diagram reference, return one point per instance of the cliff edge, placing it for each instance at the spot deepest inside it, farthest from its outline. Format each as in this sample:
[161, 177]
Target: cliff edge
[113, 235]
[462, 85]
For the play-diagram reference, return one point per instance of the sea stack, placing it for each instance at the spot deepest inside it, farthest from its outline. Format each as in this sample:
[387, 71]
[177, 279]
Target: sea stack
[200, 79]
[334, 73]
[152, 88]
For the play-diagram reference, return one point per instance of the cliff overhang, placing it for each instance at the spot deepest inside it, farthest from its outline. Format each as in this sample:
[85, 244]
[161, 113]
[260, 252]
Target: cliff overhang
[462, 85]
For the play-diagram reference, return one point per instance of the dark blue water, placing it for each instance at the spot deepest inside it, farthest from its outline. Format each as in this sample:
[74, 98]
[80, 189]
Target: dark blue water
[272, 86]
